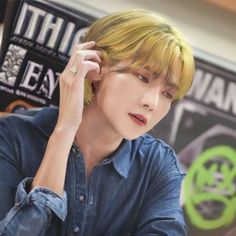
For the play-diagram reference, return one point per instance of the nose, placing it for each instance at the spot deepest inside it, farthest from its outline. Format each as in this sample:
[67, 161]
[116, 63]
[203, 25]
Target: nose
[151, 99]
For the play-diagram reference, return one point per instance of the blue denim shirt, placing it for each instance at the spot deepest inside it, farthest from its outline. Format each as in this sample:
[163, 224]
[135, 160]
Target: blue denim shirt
[134, 191]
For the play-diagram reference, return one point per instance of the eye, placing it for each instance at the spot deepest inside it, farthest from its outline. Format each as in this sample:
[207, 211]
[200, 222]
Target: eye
[168, 95]
[143, 78]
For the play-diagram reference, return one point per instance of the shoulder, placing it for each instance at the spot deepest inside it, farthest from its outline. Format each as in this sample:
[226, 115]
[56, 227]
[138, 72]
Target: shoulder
[12, 124]
[157, 155]
[43, 121]
[23, 139]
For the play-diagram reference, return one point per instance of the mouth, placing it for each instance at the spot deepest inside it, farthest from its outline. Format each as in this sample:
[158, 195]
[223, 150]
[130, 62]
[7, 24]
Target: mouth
[138, 119]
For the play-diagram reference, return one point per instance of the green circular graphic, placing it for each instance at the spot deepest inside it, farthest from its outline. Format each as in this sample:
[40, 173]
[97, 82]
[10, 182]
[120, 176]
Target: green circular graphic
[208, 183]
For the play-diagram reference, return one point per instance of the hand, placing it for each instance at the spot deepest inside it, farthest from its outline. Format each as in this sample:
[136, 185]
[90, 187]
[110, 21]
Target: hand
[82, 61]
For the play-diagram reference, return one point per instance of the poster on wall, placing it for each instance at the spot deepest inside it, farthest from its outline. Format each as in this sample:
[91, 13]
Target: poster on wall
[203, 133]
[202, 127]
[36, 46]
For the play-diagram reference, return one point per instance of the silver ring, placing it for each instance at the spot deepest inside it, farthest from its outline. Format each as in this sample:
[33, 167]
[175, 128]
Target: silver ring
[74, 70]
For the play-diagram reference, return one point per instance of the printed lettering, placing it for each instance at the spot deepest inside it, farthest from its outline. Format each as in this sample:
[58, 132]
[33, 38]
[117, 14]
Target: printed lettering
[215, 93]
[32, 26]
[200, 85]
[67, 36]
[31, 76]
[230, 98]
[21, 19]
[214, 90]
[49, 84]
[47, 26]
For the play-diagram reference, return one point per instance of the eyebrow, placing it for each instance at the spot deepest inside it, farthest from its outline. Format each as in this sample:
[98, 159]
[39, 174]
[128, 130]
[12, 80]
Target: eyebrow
[147, 67]
[156, 75]
[148, 70]
[172, 85]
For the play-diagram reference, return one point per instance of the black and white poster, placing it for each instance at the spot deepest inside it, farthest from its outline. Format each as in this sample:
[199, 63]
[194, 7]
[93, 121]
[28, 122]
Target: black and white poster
[35, 52]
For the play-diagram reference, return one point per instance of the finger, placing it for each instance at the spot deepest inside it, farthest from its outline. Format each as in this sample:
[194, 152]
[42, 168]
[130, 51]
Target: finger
[89, 66]
[93, 75]
[83, 55]
[85, 45]
[81, 46]
[92, 66]
[87, 55]
[80, 55]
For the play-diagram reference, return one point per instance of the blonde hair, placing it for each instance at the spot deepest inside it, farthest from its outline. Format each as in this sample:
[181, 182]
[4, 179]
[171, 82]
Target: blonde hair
[144, 39]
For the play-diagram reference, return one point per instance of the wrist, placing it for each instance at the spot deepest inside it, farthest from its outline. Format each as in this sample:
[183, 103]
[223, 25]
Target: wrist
[63, 129]
[63, 135]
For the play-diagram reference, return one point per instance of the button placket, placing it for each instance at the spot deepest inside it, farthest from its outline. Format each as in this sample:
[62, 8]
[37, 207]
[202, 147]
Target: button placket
[80, 191]
[91, 200]
[76, 230]
[81, 198]
[74, 150]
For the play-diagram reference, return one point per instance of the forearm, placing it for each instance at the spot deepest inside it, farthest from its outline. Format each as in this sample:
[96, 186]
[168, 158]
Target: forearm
[33, 212]
[52, 171]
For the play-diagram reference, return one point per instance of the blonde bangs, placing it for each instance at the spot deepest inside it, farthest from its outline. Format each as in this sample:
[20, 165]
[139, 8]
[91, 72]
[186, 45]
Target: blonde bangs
[187, 75]
[162, 58]
[144, 39]
[166, 57]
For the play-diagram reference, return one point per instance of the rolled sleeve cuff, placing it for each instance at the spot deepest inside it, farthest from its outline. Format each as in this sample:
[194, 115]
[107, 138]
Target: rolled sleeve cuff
[58, 204]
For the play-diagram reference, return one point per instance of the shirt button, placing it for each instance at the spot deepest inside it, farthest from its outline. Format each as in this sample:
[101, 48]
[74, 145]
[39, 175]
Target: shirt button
[74, 150]
[81, 198]
[76, 229]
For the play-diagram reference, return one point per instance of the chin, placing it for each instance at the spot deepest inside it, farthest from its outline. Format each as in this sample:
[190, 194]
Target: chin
[131, 136]
[130, 133]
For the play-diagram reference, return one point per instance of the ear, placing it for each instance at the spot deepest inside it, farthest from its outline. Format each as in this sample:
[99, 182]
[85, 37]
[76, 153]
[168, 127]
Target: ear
[93, 76]
[94, 79]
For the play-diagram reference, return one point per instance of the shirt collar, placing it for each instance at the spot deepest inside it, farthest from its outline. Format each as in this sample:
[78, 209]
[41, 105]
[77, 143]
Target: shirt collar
[121, 158]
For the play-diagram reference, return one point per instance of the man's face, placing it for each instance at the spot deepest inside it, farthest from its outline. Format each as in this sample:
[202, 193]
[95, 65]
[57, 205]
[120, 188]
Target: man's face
[133, 102]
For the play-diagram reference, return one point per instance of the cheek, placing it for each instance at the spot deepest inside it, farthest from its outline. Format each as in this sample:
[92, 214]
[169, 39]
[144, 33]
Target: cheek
[109, 98]
[161, 112]
[115, 91]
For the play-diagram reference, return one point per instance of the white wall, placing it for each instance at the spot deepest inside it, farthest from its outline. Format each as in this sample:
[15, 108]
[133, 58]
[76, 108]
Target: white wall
[207, 27]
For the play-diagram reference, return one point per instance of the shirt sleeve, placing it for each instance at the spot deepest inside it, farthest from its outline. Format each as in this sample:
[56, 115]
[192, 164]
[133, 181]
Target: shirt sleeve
[161, 213]
[23, 213]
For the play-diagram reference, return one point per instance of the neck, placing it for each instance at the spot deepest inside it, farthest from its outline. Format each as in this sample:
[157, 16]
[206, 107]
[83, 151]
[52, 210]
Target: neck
[95, 137]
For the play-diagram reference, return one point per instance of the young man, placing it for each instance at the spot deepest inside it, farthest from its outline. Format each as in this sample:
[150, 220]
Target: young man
[88, 168]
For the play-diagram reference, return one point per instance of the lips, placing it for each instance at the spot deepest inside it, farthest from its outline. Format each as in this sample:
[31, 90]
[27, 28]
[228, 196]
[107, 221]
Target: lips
[138, 119]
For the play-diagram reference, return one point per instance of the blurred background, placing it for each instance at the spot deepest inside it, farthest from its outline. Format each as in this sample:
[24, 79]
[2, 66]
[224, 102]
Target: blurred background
[37, 37]
[210, 25]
